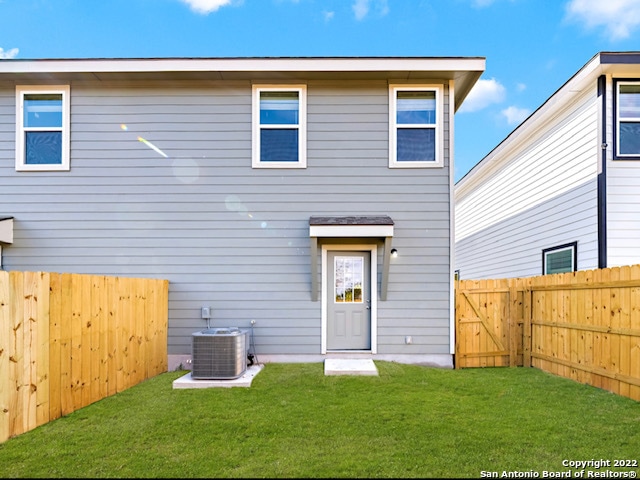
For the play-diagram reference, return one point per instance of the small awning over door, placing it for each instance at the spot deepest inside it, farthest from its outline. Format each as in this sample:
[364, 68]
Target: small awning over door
[327, 228]
[6, 229]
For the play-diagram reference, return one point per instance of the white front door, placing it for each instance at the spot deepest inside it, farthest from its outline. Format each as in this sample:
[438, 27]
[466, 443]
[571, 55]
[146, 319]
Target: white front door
[348, 300]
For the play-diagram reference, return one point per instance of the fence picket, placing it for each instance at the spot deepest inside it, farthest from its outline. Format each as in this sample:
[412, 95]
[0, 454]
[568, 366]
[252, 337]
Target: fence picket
[634, 347]
[112, 335]
[613, 342]
[583, 325]
[43, 358]
[624, 322]
[5, 370]
[102, 350]
[86, 333]
[58, 342]
[29, 351]
[512, 323]
[55, 347]
[16, 356]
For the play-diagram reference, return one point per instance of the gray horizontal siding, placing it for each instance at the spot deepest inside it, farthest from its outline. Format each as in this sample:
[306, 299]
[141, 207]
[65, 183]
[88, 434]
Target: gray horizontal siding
[224, 234]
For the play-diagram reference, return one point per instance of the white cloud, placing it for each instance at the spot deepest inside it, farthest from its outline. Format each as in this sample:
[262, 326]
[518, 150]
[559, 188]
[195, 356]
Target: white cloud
[361, 8]
[206, 6]
[5, 55]
[483, 94]
[382, 7]
[618, 17]
[328, 15]
[482, 3]
[515, 115]
[521, 87]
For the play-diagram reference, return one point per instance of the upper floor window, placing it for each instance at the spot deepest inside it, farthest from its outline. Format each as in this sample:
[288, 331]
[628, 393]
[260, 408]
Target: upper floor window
[560, 259]
[279, 126]
[415, 126]
[42, 130]
[628, 119]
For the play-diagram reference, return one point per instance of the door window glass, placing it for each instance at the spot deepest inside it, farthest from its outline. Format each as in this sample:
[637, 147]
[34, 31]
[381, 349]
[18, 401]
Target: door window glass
[348, 276]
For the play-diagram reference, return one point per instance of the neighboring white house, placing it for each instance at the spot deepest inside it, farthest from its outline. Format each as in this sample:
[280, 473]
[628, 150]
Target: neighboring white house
[562, 191]
[272, 190]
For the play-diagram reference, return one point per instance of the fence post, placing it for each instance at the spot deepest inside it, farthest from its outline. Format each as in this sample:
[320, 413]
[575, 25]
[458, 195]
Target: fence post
[513, 323]
[526, 328]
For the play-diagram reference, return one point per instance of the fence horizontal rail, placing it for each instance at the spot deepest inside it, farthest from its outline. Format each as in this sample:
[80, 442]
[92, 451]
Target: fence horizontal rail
[583, 325]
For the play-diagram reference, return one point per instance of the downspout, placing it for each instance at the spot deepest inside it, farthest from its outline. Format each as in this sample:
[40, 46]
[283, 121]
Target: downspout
[452, 243]
[602, 174]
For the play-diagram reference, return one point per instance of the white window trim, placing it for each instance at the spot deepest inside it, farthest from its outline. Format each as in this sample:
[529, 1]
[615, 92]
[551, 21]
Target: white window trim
[618, 118]
[393, 126]
[562, 248]
[302, 126]
[21, 91]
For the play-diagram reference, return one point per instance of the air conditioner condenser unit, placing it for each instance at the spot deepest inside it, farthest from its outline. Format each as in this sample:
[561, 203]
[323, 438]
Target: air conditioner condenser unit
[219, 353]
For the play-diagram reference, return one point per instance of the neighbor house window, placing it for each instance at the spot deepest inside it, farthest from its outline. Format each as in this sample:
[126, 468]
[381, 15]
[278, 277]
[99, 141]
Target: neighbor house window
[560, 259]
[279, 126]
[415, 126]
[42, 130]
[628, 119]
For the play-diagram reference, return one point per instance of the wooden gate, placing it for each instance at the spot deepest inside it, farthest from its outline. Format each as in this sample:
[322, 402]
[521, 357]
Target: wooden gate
[582, 325]
[489, 324]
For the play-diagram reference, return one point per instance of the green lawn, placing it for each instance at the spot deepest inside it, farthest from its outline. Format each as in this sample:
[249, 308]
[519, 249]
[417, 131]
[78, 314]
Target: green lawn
[411, 421]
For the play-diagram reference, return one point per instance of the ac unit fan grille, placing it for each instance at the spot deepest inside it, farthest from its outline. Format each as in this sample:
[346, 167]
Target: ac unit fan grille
[219, 354]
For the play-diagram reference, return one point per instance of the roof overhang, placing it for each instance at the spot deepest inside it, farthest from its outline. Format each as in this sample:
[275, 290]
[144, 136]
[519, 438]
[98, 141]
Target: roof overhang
[465, 71]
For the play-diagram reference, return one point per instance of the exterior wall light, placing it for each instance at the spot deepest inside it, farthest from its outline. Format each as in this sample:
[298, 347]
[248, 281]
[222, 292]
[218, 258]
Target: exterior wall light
[394, 253]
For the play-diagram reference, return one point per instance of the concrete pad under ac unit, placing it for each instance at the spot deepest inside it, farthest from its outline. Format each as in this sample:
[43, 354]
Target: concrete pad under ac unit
[243, 381]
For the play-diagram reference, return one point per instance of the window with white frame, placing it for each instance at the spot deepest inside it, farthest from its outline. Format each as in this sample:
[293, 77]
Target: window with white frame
[279, 126]
[627, 119]
[415, 126]
[560, 259]
[42, 130]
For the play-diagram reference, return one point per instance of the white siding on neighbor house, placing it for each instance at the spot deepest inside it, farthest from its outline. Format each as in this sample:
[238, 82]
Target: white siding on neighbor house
[623, 213]
[623, 200]
[516, 244]
[226, 235]
[548, 182]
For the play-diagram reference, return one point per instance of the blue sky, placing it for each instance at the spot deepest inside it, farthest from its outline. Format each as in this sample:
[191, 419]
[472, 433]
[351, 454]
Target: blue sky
[531, 47]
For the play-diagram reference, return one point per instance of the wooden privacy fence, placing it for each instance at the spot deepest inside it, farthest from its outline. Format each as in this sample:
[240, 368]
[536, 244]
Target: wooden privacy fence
[68, 340]
[582, 325]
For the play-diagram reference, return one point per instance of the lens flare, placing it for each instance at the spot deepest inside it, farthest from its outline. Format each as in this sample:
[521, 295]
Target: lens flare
[186, 170]
[153, 147]
[124, 127]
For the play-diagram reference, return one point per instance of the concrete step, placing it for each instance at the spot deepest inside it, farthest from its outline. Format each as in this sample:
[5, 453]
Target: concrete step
[349, 366]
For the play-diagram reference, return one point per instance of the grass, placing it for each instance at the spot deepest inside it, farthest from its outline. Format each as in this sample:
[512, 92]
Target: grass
[411, 421]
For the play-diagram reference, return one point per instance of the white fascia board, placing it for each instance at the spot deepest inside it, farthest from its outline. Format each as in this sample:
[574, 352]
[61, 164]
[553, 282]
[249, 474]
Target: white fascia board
[355, 231]
[355, 64]
[6, 230]
[544, 115]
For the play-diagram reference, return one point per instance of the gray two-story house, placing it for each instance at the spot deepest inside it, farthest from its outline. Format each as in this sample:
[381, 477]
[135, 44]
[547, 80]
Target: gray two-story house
[309, 196]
